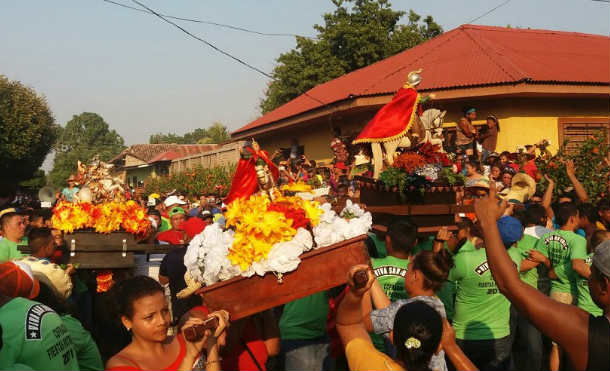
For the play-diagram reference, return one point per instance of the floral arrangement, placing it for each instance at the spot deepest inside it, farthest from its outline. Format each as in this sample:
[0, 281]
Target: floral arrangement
[296, 187]
[103, 218]
[419, 169]
[269, 235]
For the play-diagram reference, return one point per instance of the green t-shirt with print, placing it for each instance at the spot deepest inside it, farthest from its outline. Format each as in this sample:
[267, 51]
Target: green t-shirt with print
[481, 311]
[87, 353]
[524, 246]
[8, 250]
[34, 335]
[559, 246]
[585, 301]
[305, 318]
[390, 272]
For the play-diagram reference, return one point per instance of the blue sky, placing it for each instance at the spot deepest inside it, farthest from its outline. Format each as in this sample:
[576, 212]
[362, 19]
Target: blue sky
[144, 76]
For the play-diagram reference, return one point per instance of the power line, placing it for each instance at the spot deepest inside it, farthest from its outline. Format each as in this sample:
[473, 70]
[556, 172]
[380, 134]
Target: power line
[204, 41]
[238, 60]
[489, 11]
[236, 28]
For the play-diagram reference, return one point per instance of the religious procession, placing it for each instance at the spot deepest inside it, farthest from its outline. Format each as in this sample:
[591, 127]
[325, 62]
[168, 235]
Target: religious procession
[444, 207]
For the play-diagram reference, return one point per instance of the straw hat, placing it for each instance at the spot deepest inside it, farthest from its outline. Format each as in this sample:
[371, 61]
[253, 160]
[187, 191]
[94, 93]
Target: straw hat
[522, 188]
[50, 274]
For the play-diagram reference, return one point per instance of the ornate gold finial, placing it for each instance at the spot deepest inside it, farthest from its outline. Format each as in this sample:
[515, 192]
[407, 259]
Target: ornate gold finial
[413, 79]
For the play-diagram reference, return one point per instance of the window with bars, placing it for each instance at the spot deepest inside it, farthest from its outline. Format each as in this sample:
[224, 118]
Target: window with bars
[578, 129]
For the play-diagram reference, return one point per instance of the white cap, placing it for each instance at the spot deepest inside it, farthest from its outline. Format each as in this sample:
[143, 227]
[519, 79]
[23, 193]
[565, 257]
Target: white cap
[173, 200]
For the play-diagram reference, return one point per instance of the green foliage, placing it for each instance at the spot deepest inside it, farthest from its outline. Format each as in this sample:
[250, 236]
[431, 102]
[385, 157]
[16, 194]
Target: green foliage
[28, 131]
[84, 137]
[216, 133]
[450, 177]
[394, 177]
[357, 34]
[590, 162]
[194, 182]
[37, 181]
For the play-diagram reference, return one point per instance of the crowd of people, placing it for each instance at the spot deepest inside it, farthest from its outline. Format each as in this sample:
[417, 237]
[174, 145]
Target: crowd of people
[517, 286]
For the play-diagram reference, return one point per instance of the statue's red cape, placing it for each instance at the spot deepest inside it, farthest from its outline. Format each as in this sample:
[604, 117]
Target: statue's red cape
[392, 120]
[244, 182]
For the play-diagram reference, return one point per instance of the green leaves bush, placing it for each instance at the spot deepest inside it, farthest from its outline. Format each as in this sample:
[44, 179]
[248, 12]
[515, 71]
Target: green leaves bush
[194, 182]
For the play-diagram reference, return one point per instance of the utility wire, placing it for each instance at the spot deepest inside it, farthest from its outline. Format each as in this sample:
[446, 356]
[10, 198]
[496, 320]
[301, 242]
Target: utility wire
[236, 28]
[238, 60]
[489, 11]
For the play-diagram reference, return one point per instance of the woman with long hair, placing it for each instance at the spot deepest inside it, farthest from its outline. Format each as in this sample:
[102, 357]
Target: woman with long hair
[419, 333]
[143, 310]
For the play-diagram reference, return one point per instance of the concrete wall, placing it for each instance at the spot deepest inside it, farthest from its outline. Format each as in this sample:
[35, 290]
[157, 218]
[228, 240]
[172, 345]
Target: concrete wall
[522, 121]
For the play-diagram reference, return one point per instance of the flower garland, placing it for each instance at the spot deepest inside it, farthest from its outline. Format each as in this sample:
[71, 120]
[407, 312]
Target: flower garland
[103, 218]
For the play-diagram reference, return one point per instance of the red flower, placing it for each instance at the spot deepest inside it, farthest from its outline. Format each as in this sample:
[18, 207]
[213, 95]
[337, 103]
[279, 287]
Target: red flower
[298, 217]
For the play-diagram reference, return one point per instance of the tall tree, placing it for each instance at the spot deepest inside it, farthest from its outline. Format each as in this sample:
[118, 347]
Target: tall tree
[216, 133]
[357, 34]
[83, 137]
[28, 131]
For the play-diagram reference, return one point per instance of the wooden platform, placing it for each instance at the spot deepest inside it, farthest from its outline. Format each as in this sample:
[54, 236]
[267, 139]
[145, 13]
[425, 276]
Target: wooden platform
[319, 270]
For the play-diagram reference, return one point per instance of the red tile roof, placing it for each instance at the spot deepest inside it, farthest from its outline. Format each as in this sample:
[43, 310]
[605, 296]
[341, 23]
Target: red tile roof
[467, 56]
[151, 153]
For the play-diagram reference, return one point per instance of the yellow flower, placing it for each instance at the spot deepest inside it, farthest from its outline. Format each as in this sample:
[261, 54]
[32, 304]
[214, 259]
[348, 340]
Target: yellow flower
[296, 187]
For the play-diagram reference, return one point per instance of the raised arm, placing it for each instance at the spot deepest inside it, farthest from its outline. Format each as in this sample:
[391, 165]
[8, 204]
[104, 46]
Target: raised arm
[349, 314]
[578, 188]
[547, 198]
[565, 324]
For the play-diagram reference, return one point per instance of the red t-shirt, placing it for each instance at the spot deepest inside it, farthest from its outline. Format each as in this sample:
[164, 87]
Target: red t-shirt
[173, 237]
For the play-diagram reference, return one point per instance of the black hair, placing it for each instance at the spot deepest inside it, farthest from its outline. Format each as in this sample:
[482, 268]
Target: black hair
[152, 211]
[434, 266]
[418, 330]
[403, 234]
[48, 297]
[505, 153]
[39, 238]
[564, 212]
[466, 109]
[588, 210]
[127, 291]
[535, 214]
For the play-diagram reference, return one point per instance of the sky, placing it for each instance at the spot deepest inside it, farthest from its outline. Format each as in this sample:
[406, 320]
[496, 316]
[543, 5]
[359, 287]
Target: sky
[144, 76]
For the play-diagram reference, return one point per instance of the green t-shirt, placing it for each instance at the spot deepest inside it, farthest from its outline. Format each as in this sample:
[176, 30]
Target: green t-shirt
[165, 225]
[87, 353]
[582, 284]
[380, 245]
[8, 250]
[390, 272]
[559, 246]
[305, 318]
[524, 246]
[34, 335]
[481, 311]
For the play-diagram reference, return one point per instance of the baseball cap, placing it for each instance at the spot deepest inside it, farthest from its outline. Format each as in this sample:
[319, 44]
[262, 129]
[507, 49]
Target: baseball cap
[173, 200]
[601, 258]
[176, 210]
[17, 279]
[206, 214]
[510, 229]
